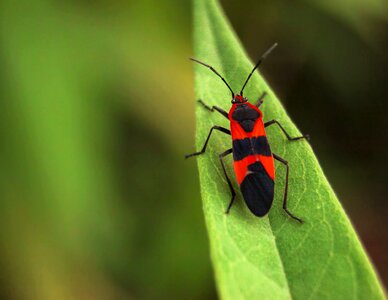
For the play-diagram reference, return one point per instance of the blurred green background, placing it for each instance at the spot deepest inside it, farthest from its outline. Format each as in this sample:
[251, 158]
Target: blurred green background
[97, 111]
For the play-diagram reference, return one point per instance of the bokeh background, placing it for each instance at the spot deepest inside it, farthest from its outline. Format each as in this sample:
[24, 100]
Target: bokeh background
[97, 111]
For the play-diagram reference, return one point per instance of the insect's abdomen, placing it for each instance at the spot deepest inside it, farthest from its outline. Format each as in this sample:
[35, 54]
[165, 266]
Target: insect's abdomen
[255, 174]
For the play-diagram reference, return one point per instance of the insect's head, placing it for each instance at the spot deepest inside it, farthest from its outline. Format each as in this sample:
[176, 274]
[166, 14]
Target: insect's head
[239, 99]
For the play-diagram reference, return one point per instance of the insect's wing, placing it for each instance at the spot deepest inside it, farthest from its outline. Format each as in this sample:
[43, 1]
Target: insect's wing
[258, 189]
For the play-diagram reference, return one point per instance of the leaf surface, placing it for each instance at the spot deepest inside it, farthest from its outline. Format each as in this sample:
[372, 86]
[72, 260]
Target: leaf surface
[272, 257]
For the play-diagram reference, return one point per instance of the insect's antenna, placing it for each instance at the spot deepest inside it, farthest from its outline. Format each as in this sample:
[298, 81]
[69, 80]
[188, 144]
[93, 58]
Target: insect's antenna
[258, 64]
[218, 74]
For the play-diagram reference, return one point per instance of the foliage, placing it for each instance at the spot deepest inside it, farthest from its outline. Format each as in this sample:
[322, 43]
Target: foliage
[273, 257]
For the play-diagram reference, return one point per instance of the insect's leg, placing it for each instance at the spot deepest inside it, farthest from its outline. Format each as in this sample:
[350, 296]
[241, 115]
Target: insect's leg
[269, 123]
[221, 156]
[261, 99]
[222, 129]
[283, 161]
[214, 108]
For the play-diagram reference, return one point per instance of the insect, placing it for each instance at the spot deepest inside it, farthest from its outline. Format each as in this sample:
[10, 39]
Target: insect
[253, 159]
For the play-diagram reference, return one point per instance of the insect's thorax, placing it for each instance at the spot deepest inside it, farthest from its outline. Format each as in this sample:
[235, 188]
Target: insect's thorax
[246, 116]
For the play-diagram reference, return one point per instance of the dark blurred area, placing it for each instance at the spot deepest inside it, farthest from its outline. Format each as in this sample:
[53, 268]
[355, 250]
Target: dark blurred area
[97, 110]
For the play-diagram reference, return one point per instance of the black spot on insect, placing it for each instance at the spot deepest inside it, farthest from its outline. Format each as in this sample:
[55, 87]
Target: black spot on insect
[248, 146]
[245, 116]
[261, 146]
[258, 190]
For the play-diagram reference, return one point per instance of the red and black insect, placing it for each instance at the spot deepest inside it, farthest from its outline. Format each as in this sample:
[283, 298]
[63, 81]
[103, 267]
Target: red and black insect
[253, 159]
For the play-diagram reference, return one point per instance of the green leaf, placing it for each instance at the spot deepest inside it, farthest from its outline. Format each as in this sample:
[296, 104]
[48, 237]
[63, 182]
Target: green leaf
[272, 257]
